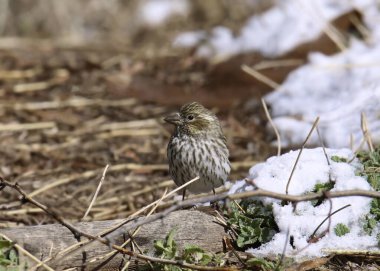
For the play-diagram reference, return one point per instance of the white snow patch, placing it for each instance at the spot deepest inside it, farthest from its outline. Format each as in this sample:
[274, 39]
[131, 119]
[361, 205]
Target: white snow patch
[337, 89]
[156, 12]
[312, 169]
[287, 24]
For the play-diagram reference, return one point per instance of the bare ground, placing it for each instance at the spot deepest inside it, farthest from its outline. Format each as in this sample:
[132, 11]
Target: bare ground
[68, 110]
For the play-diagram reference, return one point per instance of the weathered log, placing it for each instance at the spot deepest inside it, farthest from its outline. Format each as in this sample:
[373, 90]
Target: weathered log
[192, 227]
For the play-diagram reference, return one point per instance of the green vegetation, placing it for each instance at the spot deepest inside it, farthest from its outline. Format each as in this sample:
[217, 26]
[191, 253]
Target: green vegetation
[167, 249]
[321, 187]
[338, 159]
[371, 170]
[341, 229]
[371, 163]
[251, 220]
[9, 259]
[254, 223]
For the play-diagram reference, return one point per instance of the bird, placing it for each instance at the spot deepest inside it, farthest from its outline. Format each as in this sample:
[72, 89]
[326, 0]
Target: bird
[197, 148]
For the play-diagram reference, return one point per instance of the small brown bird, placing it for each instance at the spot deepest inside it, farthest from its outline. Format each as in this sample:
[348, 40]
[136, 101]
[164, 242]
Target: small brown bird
[197, 148]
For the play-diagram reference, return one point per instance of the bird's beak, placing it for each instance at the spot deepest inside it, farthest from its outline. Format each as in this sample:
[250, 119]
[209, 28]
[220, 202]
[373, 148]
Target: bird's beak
[174, 118]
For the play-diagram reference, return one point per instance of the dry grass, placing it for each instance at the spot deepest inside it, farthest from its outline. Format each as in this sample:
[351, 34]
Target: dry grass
[56, 141]
[65, 114]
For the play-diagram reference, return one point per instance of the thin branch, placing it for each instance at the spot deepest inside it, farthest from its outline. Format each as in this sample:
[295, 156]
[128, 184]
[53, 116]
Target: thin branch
[329, 215]
[326, 218]
[96, 192]
[300, 152]
[283, 250]
[25, 198]
[323, 146]
[292, 198]
[312, 238]
[273, 126]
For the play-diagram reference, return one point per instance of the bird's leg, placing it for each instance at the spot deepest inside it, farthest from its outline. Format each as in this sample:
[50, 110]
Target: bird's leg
[183, 198]
[214, 204]
[183, 194]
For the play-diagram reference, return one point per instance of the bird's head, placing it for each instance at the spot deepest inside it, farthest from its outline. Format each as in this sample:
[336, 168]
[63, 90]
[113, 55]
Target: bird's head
[194, 119]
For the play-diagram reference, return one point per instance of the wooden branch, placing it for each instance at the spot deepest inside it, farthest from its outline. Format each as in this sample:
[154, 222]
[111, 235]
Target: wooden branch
[192, 227]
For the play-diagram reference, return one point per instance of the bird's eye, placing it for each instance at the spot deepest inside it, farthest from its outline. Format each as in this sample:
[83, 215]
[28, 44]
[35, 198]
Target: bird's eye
[190, 117]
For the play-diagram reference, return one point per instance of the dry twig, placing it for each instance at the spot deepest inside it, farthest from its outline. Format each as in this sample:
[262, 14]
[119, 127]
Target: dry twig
[273, 126]
[366, 132]
[268, 64]
[312, 236]
[96, 192]
[300, 152]
[16, 127]
[74, 102]
[261, 77]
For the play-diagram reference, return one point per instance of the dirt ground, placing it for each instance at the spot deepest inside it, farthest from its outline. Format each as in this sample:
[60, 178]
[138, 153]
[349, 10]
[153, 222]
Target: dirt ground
[66, 114]
[67, 110]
